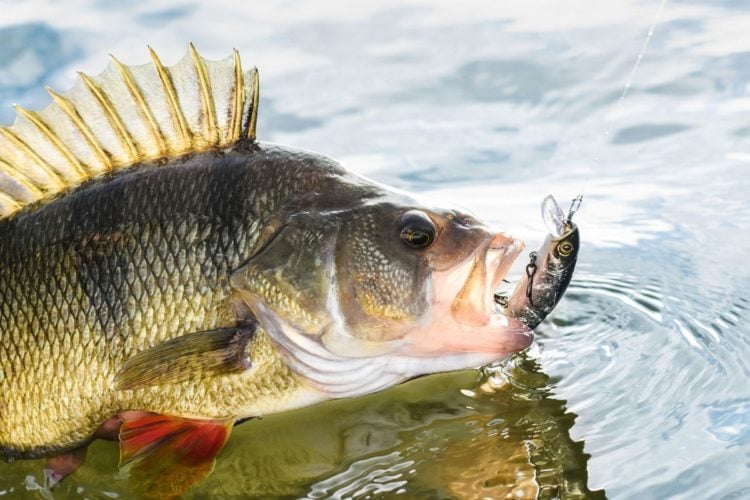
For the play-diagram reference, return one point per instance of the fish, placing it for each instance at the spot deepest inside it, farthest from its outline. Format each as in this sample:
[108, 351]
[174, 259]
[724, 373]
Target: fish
[165, 275]
[550, 268]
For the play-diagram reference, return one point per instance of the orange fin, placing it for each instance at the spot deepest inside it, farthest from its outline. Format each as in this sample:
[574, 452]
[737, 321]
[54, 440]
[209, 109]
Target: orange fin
[166, 455]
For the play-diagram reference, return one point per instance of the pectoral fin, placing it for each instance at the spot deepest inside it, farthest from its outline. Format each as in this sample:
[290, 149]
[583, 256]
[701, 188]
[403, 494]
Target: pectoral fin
[165, 456]
[189, 357]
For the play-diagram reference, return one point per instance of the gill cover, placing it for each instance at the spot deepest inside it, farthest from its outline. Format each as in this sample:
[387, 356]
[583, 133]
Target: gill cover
[341, 279]
[291, 285]
[291, 276]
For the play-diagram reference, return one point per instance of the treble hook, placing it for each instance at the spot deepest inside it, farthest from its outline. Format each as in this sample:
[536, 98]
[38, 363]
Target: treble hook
[530, 272]
[574, 206]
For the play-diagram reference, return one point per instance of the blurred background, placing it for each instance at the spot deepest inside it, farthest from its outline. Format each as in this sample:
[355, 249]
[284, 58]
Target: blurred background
[638, 384]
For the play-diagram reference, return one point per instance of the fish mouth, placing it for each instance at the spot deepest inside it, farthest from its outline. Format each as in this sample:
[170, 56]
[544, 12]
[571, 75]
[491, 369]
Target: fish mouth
[465, 317]
[474, 303]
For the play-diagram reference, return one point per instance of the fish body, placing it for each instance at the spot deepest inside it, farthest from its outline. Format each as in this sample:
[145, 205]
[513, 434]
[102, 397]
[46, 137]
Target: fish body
[129, 262]
[550, 269]
[124, 264]
[164, 275]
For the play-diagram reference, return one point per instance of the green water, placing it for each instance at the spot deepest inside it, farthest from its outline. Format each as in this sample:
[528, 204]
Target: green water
[436, 437]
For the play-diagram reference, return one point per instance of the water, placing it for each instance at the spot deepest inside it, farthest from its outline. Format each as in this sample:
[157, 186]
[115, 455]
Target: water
[637, 386]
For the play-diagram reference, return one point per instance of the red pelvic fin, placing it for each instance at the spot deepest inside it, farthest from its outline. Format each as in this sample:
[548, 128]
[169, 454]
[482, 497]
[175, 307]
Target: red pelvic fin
[167, 455]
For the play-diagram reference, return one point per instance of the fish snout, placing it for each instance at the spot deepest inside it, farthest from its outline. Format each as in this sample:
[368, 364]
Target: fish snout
[501, 241]
[501, 253]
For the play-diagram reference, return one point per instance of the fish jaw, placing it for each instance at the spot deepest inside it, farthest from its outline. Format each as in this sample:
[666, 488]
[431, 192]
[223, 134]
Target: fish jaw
[502, 335]
[330, 375]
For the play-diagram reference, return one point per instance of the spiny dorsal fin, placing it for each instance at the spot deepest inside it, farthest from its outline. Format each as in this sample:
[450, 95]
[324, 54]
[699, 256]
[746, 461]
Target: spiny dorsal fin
[125, 115]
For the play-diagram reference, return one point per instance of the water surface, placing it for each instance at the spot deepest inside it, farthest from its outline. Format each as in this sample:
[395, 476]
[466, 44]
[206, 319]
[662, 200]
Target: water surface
[637, 386]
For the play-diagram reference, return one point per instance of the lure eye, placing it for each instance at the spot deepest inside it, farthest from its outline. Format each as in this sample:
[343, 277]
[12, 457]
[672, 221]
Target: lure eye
[565, 248]
[416, 229]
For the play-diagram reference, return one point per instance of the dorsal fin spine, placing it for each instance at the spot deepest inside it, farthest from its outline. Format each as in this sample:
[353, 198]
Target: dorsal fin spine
[207, 101]
[91, 139]
[10, 170]
[54, 176]
[253, 118]
[113, 117]
[123, 117]
[127, 78]
[171, 94]
[8, 199]
[52, 138]
[238, 98]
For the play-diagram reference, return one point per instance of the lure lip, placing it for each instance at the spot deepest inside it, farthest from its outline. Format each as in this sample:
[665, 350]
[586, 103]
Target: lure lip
[553, 216]
[558, 224]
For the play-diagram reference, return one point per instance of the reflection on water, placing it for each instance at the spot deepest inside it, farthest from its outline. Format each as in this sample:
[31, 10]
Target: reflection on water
[637, 385]
[432, 438]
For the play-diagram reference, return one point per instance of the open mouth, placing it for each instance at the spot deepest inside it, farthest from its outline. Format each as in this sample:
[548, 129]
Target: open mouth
[466, 318]
[474, 304]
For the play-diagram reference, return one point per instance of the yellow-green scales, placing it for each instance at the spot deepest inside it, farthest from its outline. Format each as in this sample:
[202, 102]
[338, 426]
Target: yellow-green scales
[94, 271]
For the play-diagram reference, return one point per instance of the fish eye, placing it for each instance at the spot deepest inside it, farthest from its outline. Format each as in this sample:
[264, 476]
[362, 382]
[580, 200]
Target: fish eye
[416, 229]
[565, 248]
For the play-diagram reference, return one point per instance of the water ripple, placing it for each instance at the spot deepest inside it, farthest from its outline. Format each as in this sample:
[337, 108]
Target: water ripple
[366, 477]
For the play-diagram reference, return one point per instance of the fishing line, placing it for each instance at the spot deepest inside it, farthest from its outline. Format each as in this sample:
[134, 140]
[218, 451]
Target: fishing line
[638, 60]
[608, 120]
[575, 204]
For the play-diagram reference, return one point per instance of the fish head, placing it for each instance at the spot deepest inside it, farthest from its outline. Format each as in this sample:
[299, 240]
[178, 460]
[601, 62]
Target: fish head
[387, 281]
[424, 277]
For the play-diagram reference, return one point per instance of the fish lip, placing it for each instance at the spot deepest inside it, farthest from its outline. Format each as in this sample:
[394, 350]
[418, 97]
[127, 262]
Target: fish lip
[518, 334]
[516, 247]
[515, 332]
[511, 250]
[503, 241]
[523, 337]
